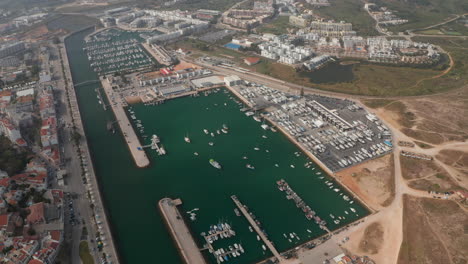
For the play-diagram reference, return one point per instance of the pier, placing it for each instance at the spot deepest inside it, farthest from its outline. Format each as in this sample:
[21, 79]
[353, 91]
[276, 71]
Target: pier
[131, 138]
[179, 231]
[257, 228]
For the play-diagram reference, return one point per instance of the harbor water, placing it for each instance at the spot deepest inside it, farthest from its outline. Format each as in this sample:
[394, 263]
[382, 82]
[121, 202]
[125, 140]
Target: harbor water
[131, 194]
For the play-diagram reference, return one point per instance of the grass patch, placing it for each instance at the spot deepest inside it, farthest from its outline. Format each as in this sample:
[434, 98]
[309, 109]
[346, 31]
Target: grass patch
[351, 11]
[85, 255]
[71, 22]
[278, 26]
[423, 13]
[423, 145]
[377, 103]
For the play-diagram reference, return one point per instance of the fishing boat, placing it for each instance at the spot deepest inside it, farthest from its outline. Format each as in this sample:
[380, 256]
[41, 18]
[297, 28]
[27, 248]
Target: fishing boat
[215, 164]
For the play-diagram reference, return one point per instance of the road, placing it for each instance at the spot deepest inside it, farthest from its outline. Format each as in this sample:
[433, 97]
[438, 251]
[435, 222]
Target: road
[75, 180]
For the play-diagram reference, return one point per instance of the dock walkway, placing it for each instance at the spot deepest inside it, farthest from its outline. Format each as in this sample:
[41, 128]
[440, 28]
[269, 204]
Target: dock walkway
[179, 231]
[131, 138]
[257, 228]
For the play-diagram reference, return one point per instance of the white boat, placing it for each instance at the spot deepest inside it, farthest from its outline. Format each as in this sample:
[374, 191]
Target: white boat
[195, 153]
[187, 139]
[257, 148]
[206, 131]
[256, 118]
[263, 246]
[258, 238]
[352, 209]
[210, 143]
[292, 166]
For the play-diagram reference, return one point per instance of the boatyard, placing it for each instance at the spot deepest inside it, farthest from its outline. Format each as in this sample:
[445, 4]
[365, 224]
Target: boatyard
[258, 157]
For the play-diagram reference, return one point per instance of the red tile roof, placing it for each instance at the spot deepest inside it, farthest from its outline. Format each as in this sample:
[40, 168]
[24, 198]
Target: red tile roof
[35, 261]
[3, 220]
[252, 60]
[36, 214]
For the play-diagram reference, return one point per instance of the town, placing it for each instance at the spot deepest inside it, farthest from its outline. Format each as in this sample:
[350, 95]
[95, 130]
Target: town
[172, 125]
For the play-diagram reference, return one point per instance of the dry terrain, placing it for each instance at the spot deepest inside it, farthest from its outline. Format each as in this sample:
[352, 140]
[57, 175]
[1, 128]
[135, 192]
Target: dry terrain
[434, 231]
[371, 242]
[372, 181]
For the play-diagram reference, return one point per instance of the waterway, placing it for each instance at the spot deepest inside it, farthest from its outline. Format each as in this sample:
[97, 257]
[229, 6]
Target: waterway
[331, 73]
[131, 194]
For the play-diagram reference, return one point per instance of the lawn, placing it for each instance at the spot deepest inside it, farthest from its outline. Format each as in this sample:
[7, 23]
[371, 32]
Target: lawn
[370, 79]
[85, 255]
[423, 13]
[278, 26]
[351, 11]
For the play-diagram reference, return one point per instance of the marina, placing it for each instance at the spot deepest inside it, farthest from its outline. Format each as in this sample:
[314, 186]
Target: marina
[130, 192]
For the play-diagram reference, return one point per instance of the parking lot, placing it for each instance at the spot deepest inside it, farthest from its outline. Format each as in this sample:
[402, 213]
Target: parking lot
[338, 132]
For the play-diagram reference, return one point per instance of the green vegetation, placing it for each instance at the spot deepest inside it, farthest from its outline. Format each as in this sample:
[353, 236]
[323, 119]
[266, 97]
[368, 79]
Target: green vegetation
[85, 255]
[423, 13]
[351, 11]
[70, 22]
[454, 28]
[220, 5]
[278, 26]
[12, 159]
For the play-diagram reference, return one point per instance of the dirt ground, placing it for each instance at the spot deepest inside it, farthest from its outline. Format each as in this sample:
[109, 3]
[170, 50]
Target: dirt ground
[434, 232]
[371, 242]
[431, 119]
[373, 181]
[426, 175]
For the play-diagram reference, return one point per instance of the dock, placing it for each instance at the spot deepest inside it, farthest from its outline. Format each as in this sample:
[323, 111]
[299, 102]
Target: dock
[115, 101]
[257, 229]
[179, 231]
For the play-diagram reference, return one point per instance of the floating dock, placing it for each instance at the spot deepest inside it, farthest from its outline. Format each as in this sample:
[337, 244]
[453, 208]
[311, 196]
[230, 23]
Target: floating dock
[179, 231]
[139, 155]
[257, 228]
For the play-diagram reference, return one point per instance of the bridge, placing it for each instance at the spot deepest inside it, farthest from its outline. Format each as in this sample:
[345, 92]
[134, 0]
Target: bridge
[86, 83]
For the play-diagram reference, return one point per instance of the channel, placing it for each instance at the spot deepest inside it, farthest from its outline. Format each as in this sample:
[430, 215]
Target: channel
[131, 194]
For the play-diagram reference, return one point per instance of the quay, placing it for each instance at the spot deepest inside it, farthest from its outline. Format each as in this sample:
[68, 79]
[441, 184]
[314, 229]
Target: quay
[115, 101]
[179, 231]
[74, 111]
[257, 228]
[158, 53]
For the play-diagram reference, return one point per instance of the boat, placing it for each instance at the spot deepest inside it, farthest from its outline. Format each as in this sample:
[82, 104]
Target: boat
[206, 131]
[248, 166]
[263, 246]
[236, 211]
[264, 136]
[195, 153]
[210, 143]
[352, 209]
[292, 166]
[224, 131]
[187, 139]
[212, 134]
[276, 165]
[256, 118]
[308, 230]
[258, 238]
[250, 229]
[257, 148]
[215, 164]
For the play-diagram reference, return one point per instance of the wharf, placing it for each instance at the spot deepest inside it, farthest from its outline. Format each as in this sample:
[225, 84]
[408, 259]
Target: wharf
[257, 229]
[131, 138]
[156, 55]
[179, 231]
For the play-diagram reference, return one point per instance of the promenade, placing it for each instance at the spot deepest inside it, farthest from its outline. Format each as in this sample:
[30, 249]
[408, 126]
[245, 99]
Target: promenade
[179, 231]
[73, 115]
[136, 149]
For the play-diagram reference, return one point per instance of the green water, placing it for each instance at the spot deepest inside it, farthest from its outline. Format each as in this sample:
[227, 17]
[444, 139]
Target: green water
[131, 194]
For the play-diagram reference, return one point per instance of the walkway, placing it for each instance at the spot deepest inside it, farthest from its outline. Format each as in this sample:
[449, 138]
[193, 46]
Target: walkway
[257, 228]
[186, 246]
[115, 101]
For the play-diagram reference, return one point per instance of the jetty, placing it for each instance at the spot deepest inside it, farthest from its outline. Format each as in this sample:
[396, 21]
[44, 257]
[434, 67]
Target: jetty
[116, 103]
[257, 229]
[179, 231]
